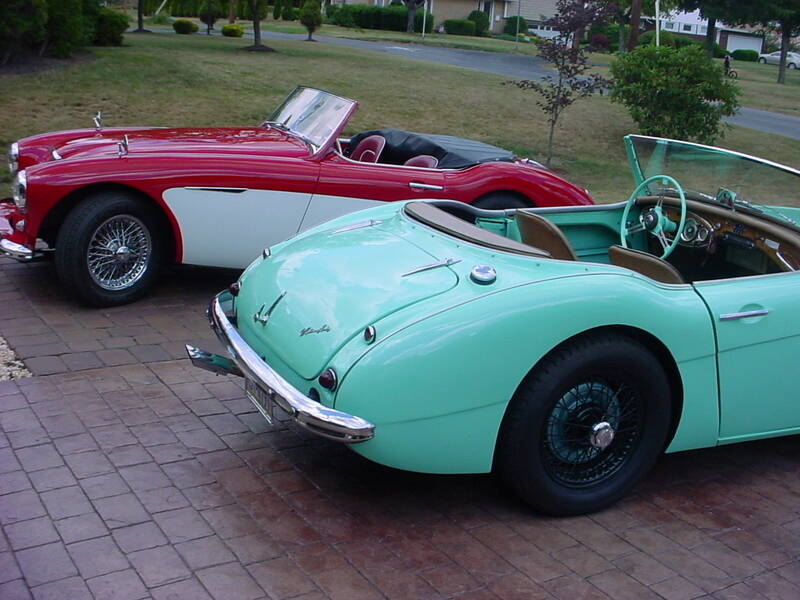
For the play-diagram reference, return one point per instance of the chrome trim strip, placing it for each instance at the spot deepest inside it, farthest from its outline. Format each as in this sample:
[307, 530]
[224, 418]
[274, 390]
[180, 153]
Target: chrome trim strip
[445, 262]
[744, 314]
[424, 186]
[359, 225]
[321, 420]
[226, 190]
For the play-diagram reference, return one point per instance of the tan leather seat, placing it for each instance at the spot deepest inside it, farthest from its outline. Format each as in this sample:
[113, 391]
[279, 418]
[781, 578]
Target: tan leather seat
[644, 263]
[541, 233]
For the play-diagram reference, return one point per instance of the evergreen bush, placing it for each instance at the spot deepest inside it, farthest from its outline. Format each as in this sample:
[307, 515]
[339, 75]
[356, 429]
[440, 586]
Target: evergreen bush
[232, 30]
[184, 26]
[510, 27]
[481, 20]
[110, 27]
[745, 55]
[459, 27]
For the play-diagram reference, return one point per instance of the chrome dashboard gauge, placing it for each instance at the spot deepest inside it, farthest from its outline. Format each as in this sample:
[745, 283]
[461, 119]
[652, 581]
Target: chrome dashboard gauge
[689, 232]
[702, 234]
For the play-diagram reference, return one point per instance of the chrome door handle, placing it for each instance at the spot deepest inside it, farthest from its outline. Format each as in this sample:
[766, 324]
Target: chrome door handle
[744, 315]
[424, 186]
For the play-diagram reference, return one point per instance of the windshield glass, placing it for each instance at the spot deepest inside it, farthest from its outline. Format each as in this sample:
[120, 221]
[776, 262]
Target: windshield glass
[706, 170]
[312, 114]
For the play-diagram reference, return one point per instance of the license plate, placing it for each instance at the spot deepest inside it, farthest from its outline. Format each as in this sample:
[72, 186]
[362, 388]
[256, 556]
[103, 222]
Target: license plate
[262, 398]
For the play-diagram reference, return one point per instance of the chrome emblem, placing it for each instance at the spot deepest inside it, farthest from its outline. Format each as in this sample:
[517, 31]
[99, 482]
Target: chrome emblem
[263, 317]
[310, 330]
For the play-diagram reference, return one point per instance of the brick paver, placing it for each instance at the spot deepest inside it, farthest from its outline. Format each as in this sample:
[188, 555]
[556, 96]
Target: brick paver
[126, 473]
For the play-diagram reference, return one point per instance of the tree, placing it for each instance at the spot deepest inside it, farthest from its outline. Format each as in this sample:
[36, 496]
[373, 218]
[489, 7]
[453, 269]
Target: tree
[412, 6]
[64, 28]
[311, 17]
[714, 11]
[22, 24]
[674, 93]
[276, 11]
[140, 16]
[636, 14]
[570, 82]
[231, 11]
[784, 17]
[209, 13]
[258, 12]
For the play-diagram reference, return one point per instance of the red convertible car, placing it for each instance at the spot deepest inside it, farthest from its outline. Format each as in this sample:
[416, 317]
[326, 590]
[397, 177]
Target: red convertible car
[112, 204]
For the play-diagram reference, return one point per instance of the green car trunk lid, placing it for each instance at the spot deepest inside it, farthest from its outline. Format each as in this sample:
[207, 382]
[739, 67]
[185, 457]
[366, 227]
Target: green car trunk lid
[327, 288]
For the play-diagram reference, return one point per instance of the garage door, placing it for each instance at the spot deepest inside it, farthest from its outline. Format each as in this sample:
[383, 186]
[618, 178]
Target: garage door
[743, 42]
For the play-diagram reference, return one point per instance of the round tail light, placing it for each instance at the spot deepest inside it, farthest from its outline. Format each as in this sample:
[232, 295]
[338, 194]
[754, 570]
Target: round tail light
[327, 379]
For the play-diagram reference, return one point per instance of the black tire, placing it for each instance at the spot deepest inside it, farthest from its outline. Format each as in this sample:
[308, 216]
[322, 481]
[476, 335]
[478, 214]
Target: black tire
[89, 222]
[762, 61]
[546, 452]
[502, 200]
[733, 74]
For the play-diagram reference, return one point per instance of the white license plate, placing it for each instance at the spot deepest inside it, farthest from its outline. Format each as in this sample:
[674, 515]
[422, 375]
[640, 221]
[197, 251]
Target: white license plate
[262, 398]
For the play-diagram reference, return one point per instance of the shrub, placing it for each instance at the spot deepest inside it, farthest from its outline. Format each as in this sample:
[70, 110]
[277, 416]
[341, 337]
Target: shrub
[599, 41]
[391, 18]
[161, 18]
[681, 41]
[232, 30]
[109, 27]
[510, 27]
[277, 9]
[648, 38]
[330, 10]
[745, 55]
[311, 16]
[673, 93]
[481, 20]
[288, 13]
[65, 32]
[184, 26]
[22, 24]
[459, 27]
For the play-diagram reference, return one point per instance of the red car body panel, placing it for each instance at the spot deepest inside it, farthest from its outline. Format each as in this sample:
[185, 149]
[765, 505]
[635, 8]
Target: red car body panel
[150, 161]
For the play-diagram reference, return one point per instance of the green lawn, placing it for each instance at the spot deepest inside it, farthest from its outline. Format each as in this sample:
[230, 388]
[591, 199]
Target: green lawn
[161, 79]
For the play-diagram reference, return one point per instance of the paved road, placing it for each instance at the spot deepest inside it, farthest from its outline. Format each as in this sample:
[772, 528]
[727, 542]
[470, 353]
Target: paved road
[768, 122]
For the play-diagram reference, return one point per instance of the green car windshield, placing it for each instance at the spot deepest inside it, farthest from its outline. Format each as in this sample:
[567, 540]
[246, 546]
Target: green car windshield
[705, 170]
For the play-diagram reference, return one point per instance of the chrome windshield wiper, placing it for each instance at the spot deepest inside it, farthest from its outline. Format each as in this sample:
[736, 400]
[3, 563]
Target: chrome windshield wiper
[445, 262]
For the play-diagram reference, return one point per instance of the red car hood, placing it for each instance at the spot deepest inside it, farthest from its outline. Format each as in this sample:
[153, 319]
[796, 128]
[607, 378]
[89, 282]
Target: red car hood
[215, 140]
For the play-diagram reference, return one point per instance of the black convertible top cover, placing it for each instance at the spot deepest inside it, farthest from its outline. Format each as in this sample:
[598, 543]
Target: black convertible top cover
[452, 152]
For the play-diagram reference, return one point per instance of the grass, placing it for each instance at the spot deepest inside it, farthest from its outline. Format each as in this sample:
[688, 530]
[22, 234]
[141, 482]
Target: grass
[757, 82]
[202, 81]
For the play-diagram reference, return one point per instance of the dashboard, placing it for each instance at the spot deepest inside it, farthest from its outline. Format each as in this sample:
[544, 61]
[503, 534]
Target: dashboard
[746, 240]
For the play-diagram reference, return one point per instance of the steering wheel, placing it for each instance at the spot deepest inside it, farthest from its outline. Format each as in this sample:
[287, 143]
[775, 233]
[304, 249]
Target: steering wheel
[653, 219]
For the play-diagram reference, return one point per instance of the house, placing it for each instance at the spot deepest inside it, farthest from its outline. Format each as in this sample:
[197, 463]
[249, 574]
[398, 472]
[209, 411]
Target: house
[729, 38]
[497, 10]
[536, 12]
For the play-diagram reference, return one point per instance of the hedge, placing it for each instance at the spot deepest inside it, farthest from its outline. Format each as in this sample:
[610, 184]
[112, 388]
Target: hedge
[232, 30]
[745, 55]
[184, 26]
[459, 27]
[510, 27]
[392, 18]
[110, 25]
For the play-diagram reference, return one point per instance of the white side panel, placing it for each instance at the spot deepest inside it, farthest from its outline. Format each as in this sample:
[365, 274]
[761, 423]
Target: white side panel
[743, 42]
[228, 229]
[325, 208]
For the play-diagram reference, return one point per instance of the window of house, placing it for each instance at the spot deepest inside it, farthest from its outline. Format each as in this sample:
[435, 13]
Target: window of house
[669, 25]
[687, 27]
[703, 29]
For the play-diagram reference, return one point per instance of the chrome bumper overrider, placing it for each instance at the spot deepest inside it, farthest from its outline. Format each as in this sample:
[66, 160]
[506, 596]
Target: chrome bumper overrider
[312, 415]
[14, 250]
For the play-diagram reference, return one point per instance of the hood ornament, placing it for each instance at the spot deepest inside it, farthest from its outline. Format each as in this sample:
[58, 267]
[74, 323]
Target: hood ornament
[264, 318]
[310, 330]
[98, 120]
[122, 146]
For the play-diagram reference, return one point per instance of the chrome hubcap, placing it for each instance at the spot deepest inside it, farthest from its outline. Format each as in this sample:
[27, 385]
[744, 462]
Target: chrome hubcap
[119, 252]
[602, 435]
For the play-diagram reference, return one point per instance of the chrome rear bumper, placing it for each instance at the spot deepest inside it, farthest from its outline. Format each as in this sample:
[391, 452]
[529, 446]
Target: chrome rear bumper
[325, 422]
[16, 251]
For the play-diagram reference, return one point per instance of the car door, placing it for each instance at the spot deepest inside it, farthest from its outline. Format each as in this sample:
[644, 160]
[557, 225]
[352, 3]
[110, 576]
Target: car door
[239, 210]
[775, 58]
[757, 324]
[341, 180]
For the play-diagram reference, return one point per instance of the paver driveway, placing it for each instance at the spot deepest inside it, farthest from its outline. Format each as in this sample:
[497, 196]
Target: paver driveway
[125, 474]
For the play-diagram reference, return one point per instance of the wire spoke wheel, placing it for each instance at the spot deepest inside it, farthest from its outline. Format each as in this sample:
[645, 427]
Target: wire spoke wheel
[119, 252]
[590, 432]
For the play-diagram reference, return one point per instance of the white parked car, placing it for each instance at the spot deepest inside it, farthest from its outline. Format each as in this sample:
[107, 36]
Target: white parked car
[774, 58]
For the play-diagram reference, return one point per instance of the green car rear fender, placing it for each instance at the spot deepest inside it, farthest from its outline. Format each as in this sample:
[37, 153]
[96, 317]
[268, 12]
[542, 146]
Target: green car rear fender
[437, 389]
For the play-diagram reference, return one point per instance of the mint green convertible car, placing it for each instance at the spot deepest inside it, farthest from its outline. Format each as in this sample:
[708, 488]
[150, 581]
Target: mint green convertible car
[565, 348]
